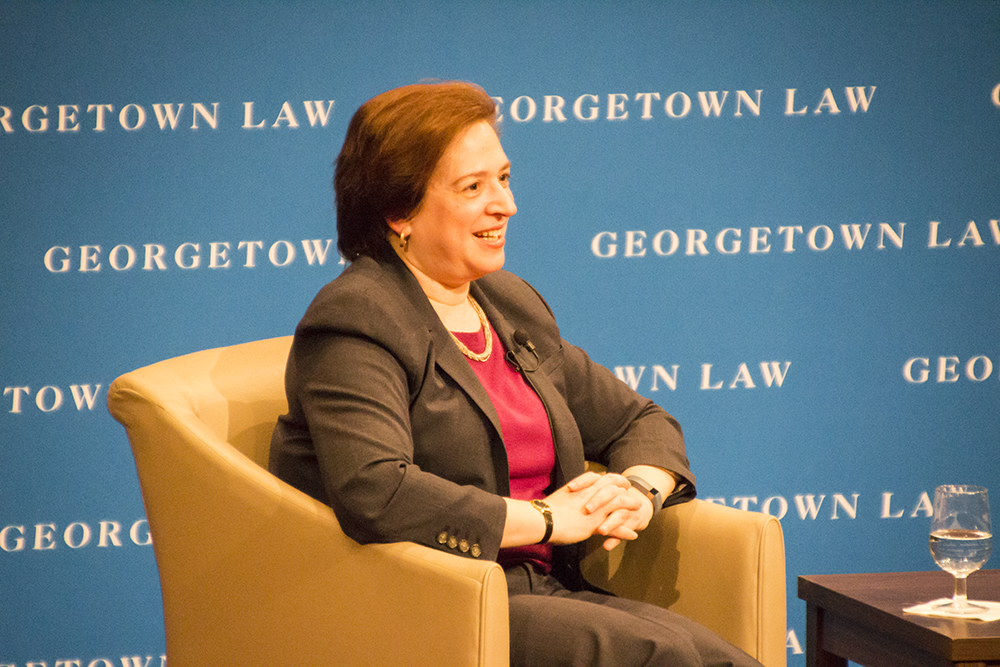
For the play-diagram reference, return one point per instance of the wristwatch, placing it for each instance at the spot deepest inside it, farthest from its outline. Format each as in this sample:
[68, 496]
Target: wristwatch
[546, 511]
[648, 490]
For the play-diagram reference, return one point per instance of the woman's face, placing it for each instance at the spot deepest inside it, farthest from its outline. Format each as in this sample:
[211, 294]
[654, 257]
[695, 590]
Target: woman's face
[457, 233]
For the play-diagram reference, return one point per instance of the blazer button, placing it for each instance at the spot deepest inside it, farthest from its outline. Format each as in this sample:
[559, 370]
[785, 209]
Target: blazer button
[442, 537]
[463, 546]
[476, 551]
[452, 542]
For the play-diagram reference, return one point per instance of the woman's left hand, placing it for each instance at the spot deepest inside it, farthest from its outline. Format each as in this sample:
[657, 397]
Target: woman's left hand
[623, 523]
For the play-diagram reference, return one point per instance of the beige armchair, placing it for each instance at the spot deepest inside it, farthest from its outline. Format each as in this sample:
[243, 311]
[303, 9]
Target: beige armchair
[254, 572]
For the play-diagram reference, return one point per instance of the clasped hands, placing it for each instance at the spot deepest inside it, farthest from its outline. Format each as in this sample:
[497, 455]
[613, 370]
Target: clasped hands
[591, 504]
[594, 504]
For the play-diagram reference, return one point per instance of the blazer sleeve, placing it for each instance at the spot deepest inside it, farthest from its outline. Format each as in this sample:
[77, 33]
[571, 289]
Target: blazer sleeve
[358, 368]
[354, 398]
[621, 428]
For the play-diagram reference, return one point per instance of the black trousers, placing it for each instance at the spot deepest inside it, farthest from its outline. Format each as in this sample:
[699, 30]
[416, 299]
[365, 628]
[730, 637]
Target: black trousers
[552, 626]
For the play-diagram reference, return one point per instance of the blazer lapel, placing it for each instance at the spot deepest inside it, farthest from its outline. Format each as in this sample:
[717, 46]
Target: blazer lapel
[565, 435]
[445, 353]
[454, 364]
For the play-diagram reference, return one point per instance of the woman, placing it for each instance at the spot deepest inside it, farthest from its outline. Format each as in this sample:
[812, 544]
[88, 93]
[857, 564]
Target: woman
[431, 398]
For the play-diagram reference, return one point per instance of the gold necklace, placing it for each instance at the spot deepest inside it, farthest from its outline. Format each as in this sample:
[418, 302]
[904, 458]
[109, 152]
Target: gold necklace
[485, 354]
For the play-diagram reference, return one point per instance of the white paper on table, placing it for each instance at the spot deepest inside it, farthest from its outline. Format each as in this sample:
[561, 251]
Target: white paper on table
[991, 613]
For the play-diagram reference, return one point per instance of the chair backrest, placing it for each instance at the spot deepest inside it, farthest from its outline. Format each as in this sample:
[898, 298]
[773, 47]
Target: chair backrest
[237, 392]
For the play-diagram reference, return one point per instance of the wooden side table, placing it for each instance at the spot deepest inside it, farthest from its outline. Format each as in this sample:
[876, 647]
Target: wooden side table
[859, 617]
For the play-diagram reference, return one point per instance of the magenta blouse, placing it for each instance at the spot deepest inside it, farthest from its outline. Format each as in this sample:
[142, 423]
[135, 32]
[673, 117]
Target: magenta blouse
[526, 434]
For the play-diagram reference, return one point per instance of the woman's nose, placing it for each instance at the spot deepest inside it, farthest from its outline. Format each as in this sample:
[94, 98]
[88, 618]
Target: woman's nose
[503, 201]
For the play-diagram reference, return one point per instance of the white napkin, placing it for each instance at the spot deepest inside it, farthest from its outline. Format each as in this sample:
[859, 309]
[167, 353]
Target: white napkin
[991, 613]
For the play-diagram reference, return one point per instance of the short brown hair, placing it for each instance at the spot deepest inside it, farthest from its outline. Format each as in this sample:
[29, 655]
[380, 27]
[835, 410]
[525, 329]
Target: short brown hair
[393, 144]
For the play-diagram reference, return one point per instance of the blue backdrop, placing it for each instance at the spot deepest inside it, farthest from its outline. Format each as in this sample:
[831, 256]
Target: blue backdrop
[778, 220]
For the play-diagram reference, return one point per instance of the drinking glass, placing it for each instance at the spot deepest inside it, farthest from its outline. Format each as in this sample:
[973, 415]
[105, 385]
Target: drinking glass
[961, 539]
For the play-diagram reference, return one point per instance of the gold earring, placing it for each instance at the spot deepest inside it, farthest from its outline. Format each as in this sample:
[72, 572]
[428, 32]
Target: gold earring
[404, 242]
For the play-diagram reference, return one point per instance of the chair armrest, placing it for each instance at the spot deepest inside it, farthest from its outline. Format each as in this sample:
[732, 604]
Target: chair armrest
[719, 566]
[411, 605]
[398, 604]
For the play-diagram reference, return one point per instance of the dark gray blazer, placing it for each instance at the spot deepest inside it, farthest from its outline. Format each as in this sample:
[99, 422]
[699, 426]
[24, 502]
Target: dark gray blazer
[388, 424]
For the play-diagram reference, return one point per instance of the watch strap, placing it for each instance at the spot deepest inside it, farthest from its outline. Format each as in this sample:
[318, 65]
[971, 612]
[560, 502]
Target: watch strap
[546, 512]
[648, 490]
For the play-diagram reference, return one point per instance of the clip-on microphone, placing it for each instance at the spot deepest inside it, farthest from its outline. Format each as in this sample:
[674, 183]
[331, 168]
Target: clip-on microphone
[522, 340]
